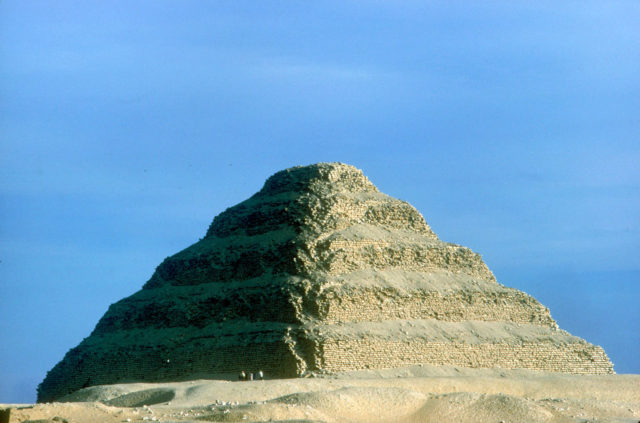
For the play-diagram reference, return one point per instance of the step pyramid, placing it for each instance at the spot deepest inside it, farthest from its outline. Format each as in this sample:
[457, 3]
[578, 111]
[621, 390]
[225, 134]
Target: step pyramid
[318, 272]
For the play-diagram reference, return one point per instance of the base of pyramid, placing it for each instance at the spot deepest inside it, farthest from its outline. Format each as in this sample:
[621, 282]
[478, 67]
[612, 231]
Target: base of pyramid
[390, 344]
[163, 355]
[283, 351]
[342, 356]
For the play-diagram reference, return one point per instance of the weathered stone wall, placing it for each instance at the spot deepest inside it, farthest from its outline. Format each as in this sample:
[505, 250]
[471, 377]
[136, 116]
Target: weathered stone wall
[375, 305]
[314, 213]
[189, 307]
[82, 367]
[579, 358]
[86, 367]
[340, 256]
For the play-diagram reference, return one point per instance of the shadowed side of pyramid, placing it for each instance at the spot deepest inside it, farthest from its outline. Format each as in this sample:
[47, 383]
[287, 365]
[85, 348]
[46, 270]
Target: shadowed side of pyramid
[318, 271]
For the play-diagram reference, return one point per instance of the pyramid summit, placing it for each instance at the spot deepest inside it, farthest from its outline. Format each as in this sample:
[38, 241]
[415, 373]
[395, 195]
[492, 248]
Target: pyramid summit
[318, 272]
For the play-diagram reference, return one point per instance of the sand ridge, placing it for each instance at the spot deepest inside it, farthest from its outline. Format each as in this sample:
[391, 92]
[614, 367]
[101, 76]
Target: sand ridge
[411, 394]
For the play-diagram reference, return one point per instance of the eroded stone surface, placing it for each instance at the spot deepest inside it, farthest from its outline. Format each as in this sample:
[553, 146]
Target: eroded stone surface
[318, 271]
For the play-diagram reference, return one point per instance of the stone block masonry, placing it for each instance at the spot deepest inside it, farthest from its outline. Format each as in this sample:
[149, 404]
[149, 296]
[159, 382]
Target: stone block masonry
[194, 358]
[579, 358]
[508, 305]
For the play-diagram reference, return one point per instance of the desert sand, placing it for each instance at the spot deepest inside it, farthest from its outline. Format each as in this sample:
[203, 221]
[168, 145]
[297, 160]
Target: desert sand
[411, 394]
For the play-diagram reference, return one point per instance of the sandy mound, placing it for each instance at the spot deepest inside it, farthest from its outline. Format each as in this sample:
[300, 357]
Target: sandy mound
[412, 394]
[144, 397]
[473, 407]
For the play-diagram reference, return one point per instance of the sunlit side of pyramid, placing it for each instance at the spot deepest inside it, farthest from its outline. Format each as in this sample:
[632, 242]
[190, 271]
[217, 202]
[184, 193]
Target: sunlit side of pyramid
[318, 271]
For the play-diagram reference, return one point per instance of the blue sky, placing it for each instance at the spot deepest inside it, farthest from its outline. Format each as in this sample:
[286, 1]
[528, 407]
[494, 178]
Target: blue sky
[125, 127]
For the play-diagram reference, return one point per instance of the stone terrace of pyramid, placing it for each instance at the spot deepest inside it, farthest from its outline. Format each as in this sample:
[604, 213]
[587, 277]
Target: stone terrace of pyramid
[318, 272]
